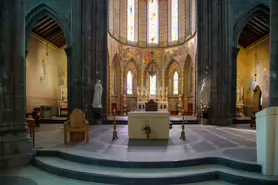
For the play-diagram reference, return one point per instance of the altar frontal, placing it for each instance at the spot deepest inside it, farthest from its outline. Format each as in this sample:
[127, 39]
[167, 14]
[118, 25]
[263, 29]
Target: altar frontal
[148, 124]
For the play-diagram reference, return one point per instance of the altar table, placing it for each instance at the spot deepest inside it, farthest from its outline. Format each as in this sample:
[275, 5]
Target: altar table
[157, 121]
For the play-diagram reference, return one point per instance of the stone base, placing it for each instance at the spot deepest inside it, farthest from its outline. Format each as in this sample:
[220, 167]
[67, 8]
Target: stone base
[267, 140]
[97, 116]
[220, 121]
[15, 151]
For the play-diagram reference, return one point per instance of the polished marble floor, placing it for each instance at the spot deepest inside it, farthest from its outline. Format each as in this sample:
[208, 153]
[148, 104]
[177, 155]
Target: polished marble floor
[237, 142]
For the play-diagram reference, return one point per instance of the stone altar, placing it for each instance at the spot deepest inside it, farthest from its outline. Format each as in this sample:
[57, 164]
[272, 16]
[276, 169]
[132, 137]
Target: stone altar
[157, 121]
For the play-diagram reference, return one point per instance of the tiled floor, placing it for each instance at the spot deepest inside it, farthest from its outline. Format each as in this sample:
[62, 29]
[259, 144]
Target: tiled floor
[202, 141]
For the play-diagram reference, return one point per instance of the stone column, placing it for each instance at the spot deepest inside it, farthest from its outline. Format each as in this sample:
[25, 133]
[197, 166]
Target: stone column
[215, 57]
[15, 143]
[267, 119]
[273, 98]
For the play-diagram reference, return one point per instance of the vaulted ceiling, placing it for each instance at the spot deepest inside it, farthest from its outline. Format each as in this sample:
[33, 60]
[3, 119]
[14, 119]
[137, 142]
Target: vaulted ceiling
[49, 30]
[256, 29]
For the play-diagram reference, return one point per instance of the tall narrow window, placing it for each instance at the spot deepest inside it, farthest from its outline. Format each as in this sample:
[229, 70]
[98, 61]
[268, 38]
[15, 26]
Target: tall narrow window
[153, 85]
[153, 22]
[176, 84]
[115, 85]
[129, 83]
[130, 20]
[175, 19]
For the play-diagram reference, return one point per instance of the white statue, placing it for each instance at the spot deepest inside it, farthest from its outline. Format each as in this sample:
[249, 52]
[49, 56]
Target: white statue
[204, 93]
[97, 95]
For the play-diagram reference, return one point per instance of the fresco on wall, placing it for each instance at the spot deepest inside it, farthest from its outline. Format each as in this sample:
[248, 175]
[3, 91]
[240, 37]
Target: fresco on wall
[251, 86]
[44, 76]
[62, 74]
[265, 79]
[130, 53]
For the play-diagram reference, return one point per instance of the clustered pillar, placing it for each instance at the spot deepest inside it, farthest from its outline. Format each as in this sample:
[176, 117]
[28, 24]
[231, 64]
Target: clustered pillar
[273, 98]
[16, 145]
[215, 58]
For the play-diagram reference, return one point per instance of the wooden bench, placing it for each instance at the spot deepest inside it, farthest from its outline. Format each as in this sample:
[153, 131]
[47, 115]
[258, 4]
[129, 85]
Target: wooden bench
[77, 126]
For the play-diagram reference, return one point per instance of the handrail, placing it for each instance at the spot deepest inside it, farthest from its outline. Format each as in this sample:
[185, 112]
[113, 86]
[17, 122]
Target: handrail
[153, 46]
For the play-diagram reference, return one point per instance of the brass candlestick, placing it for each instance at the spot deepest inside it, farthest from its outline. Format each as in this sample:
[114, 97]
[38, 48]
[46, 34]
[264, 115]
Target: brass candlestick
[115, 135]
[182, 132]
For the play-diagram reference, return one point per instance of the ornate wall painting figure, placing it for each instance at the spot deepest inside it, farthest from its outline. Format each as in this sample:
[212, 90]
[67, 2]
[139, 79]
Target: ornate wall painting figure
[44, 77]
[265, 80]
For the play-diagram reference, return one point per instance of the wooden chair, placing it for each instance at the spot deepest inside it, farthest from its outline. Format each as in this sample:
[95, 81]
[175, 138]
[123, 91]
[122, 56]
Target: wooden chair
[31, 127]
[76, 123]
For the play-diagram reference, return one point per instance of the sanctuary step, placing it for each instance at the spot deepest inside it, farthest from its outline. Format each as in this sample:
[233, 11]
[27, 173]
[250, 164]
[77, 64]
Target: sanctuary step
[150, 173]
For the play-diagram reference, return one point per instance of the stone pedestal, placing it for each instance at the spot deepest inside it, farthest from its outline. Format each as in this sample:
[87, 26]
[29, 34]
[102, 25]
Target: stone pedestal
[97, 116]
[267, 140]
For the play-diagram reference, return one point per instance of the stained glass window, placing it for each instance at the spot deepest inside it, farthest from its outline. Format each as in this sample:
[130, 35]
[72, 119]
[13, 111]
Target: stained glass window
[153, 22]
[175, 19]
[176, 84]
[130, 19]
[129, 83]
[153, 85]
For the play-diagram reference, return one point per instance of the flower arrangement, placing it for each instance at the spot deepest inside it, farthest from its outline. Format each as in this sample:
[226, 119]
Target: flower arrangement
[147, 129]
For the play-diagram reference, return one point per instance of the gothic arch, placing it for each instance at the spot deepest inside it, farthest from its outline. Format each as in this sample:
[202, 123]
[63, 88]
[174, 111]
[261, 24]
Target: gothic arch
[172, 67]
[245, 19]
[134, 69]
[257, 95]
[115, 70]
[158, 76]
[37, 13]
[187, 71]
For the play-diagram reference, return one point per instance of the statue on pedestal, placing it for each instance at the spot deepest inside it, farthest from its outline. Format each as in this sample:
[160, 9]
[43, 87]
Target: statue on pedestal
[204, 94]
[97, 95]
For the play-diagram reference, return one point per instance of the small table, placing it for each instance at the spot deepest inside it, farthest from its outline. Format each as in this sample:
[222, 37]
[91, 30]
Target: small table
[31, 126]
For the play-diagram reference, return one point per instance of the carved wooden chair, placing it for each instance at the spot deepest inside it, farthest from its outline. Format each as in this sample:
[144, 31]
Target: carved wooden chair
[76, 123]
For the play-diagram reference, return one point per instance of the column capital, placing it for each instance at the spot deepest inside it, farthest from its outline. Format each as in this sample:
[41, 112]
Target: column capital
[235, 51]
[26, 53]
[68, 51]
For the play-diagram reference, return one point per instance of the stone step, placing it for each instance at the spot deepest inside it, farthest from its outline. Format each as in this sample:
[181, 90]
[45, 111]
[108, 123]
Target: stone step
[238, 165]
[161, 176]
[124, 122]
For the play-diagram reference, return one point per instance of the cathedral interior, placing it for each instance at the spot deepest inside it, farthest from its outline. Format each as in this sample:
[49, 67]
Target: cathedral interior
[99, 72]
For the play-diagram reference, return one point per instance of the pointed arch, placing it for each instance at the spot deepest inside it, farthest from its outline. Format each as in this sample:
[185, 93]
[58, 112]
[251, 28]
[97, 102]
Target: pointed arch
[257, 99]
[245, 19]
[172, 67]
[146, 78]
[115, 78]
[133, 68]
[40, 11]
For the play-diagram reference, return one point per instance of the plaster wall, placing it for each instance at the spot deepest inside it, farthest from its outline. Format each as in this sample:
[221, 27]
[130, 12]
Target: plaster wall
[43, 88]
[248, 65]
